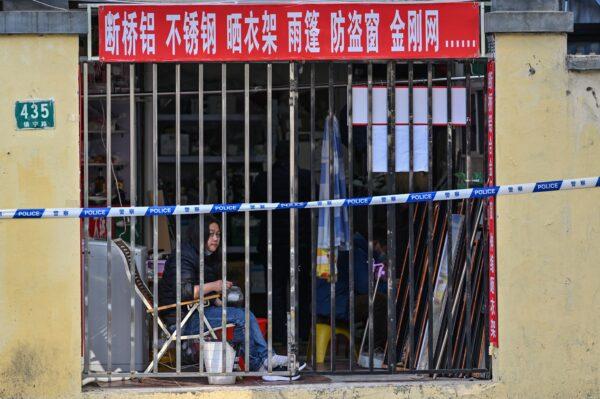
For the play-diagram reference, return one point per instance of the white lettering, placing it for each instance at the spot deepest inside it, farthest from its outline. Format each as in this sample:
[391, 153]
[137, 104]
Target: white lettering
[129, 33]
[355, 32]
[251, 39]
[294, 35]
[111, 33]
[190, 32]
[415, 31]
[311, 31]
[208, 33]
[372, 22]
[147, 35]
[234, 33]
[174, 37]
[432, 33]
[397, 28]
[337, 32]
[269, 28]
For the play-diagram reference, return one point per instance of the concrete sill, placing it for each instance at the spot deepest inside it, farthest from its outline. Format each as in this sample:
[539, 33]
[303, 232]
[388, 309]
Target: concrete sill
[385, 386]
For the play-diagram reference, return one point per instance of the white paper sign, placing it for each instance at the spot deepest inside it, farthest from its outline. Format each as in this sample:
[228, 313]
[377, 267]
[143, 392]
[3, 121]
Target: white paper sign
[359, 106]
[380, 149]
[420, 149]
[379, 105]
[439, 106]
[459, 106]
[439, 111]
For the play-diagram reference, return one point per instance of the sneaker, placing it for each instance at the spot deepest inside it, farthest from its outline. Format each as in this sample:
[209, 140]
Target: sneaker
[280, 364]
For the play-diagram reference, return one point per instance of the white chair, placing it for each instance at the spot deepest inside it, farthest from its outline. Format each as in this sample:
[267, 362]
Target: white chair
[147, 298]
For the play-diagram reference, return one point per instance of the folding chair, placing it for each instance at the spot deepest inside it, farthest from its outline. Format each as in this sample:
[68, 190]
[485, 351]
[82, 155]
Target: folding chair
[147, 298]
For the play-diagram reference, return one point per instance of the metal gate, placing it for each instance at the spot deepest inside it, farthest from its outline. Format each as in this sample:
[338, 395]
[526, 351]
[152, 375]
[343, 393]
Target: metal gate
[436, 263]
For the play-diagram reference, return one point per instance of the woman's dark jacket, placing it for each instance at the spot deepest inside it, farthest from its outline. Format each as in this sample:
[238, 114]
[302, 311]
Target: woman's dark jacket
[190, 265]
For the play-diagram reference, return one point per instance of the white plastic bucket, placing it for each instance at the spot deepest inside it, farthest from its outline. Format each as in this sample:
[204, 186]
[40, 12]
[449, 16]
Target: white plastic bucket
[213, 357]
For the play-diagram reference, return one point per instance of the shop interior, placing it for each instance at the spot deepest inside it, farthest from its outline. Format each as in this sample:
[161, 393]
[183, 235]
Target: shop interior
[467, 152]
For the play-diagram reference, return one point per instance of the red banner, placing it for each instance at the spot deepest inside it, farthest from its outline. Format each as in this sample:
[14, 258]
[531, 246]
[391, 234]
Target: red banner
[286, 32]
[492, 295]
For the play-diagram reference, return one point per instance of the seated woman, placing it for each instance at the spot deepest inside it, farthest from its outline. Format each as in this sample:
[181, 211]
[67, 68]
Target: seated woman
[190, 263]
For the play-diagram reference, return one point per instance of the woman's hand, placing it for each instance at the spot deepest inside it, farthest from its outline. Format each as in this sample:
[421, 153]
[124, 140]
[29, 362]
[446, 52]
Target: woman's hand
[216, 286]
[213, 286]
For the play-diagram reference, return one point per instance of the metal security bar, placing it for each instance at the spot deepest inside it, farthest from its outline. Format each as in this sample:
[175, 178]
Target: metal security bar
[405, 293]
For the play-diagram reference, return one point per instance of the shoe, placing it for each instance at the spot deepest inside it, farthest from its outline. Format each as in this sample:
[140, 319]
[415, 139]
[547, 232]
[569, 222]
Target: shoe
[272, 377]
[280, 361]
[279, 364]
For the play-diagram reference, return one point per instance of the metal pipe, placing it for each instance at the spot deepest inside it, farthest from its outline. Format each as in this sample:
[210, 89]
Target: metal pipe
[391, 217]
[270, 217]
[331, 212]
[411, 224]
[132, 201]
[293, 217]
[261, 89]
[201, 233]
[430, 227]
[450, 173]
[370, 209]
[178, 217]
[109, 221]
[247, 215]
[351, 298]
[468, 297]
[224, 214]
[313, 222]
[86, 222]
[155, 218]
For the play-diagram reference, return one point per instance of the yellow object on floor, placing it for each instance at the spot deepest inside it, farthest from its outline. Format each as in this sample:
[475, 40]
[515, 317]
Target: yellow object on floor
[323, 337]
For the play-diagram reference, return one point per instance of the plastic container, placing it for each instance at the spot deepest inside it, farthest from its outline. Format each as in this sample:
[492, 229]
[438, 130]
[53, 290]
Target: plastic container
[213, 357]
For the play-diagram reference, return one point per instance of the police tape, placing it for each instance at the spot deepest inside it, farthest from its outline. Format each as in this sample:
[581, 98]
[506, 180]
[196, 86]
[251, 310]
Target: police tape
[446, 195]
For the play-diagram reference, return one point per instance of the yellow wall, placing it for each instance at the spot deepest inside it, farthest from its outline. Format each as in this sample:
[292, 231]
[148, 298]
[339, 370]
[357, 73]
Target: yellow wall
[39, 260]
[548, 127]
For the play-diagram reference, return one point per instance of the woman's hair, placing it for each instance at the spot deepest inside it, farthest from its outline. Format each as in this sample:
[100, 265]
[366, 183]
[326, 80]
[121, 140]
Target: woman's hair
[193, 231]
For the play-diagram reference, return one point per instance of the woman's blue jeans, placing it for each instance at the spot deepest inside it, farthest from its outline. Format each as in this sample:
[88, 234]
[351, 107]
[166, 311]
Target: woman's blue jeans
[235, 316]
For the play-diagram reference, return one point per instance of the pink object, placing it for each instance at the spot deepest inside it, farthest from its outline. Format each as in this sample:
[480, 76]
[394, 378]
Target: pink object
[379, 270]
[159, 264]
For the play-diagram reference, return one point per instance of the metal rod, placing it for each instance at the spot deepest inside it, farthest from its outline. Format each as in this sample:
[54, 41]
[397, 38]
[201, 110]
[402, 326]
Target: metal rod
[201, 233]
[261, 89]
[450, 172]
[178, 217]
[284, 373]
[313, 222]
[430, 227]
[270, 217]
[370, 209]
[468, 296]
[391, 217]
[89, 36]
[331, 195]
[155, 218]
[132, 201]
[86, 222]
[351, 297]
[411, 224]
[247, 215]
[293, 217]
[486, 225]
[224, 215]
[108, 221]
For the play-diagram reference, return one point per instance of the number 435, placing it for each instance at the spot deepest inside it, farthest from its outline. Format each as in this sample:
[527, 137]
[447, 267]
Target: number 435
[36, 109]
